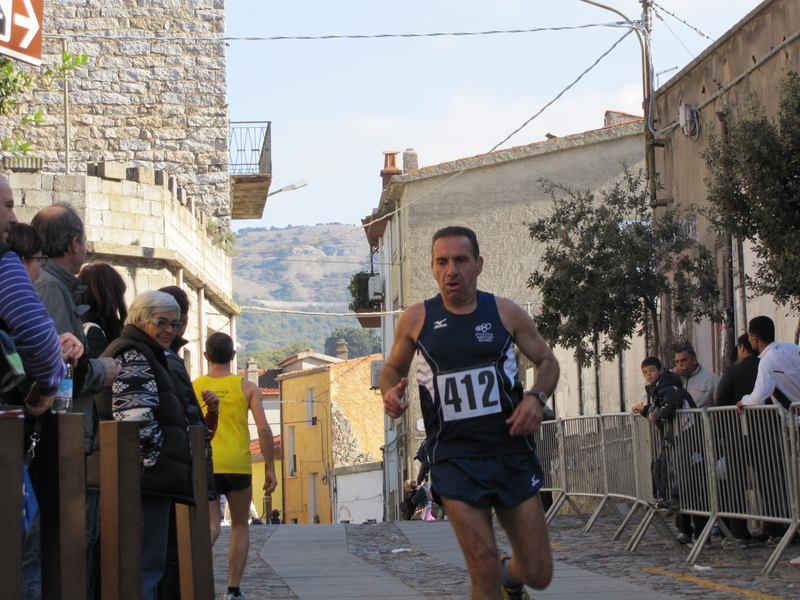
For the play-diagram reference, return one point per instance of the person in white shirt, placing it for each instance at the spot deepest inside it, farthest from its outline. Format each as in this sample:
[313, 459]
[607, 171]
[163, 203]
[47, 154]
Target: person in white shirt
[778, 382]
[778, 370]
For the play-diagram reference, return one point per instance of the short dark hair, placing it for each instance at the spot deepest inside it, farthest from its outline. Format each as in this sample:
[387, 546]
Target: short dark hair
[458, 231]
[58, 228]
[744, 340]
[26, 241]
[652, 361]
[687, 349]
[181, 297]
[763, 328]
[219, 347]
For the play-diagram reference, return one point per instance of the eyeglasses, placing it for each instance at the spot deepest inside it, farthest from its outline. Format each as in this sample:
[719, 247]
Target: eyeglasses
[42, 259]
[164, 323]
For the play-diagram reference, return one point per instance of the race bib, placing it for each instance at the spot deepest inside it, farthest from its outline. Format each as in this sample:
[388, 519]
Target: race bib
[469, 393]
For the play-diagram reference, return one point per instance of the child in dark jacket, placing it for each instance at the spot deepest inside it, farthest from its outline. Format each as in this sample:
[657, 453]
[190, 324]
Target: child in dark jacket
[665, 395]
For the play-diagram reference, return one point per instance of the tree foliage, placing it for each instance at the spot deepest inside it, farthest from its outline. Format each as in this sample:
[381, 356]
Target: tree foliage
[755, 187]
[607, 263]
[360, 342]
[15, 83]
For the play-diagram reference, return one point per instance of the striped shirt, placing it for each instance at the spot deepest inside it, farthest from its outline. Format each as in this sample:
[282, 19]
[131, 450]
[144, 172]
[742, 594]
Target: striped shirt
[30, 326]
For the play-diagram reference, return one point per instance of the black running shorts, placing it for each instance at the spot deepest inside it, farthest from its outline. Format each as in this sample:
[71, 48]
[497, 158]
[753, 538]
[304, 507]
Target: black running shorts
[507, 480]
[225, 483]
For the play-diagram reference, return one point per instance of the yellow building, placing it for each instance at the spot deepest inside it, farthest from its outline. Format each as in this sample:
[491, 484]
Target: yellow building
[266, 504]
[330, 418]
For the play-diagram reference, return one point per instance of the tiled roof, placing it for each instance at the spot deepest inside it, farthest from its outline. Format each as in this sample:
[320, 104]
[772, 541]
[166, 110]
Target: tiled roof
[255, 447]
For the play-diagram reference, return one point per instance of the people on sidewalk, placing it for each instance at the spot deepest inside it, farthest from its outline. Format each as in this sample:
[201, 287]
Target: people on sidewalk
[231, 444]
[479, 421]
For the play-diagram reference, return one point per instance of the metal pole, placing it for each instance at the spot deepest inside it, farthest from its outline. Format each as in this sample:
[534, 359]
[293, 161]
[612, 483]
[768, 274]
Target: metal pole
[66, 113]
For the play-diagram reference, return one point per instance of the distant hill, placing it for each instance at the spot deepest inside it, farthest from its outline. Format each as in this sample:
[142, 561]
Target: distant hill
[311, 278]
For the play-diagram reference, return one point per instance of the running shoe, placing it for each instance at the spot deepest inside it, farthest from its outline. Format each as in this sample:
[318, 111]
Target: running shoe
[513, 593]
[230, 596]
[706, 546]
[773, 541]
[684, 538]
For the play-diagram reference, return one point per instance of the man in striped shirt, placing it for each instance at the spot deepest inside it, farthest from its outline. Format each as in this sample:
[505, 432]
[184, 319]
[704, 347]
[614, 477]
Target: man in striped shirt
[25, 318]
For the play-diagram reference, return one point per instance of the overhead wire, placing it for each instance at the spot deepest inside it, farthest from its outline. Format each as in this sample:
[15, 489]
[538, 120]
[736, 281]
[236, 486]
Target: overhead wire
[218, 39]
[680, 41]
[674, 16]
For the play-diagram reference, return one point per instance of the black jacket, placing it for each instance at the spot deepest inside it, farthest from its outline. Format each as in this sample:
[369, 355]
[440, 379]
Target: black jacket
[666, 396]
[171, 475]
[737, 381]
[191, 405]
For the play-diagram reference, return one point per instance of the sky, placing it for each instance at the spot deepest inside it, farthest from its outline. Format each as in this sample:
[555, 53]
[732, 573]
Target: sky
[336, 105]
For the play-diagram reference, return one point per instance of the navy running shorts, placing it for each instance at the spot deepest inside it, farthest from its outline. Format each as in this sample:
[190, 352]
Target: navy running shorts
[507, 480]
[225, 483]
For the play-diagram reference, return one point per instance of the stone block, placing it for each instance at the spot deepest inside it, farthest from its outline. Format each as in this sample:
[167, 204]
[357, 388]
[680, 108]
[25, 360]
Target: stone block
[141, 175]
[169, 74]
[112, 170]
[156, 209]
[33, 198]
[119, 204]
[97, 202]
[32, 181]
[115, 99]
[134, 48]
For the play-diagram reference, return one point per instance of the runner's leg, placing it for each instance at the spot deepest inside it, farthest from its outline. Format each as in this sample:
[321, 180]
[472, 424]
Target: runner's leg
[525, 527]
[239, 503]
[473, 528]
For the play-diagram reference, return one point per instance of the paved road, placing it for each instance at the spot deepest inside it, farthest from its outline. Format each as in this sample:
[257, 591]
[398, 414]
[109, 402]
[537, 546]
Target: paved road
[417, 560]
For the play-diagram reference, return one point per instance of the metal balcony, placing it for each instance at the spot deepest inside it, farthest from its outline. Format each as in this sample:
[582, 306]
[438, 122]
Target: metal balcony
[250, 148]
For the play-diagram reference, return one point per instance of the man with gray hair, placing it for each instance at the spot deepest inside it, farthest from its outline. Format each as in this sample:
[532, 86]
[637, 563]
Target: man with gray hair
[64, 239]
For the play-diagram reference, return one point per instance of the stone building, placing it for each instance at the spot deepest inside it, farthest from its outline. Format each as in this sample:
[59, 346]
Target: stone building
[138, 142]
[750, 58]
[330, 419]
[154, 93]
[495, 195]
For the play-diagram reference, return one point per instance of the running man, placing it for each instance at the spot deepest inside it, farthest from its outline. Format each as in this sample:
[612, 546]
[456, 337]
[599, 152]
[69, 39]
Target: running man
[231, 446]
[478, 419]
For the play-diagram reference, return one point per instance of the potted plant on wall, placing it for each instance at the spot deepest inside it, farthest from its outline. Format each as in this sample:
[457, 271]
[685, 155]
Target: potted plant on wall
[316, 518]
[361, 304]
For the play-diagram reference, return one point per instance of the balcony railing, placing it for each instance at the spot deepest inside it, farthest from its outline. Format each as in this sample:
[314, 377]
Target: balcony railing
[250, 147]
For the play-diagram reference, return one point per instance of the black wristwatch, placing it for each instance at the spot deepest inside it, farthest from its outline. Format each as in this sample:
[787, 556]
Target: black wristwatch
[540, 395]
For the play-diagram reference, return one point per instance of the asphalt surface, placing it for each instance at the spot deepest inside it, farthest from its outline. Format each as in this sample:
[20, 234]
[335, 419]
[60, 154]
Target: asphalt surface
[419, 560]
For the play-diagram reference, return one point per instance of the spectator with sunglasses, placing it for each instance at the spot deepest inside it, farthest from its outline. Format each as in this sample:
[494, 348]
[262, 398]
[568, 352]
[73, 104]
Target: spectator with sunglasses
[28, 245]
[147, 392]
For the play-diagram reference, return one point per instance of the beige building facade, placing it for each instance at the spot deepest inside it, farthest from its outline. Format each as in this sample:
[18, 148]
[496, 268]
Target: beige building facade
[750, 58]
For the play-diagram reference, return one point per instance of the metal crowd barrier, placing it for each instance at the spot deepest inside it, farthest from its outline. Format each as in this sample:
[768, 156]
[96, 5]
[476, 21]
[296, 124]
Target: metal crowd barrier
[721, 465]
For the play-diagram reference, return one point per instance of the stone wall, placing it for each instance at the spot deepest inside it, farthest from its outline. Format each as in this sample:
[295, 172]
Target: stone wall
[344, 443]
[154, 93]
[146, 232]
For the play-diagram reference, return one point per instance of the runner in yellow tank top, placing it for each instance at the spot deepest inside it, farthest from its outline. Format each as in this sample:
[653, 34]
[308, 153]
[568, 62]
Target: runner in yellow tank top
[231, 444]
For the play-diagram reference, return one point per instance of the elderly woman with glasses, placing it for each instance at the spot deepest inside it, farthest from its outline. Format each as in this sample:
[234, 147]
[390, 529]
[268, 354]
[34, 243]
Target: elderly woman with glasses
[146, 392]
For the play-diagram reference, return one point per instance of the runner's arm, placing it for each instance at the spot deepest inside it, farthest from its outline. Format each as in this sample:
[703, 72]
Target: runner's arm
[527, 417]
[395, 371]
[265, 439]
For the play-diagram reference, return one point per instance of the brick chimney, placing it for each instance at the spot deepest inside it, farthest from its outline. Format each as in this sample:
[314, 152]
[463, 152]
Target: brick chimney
[410, 160]
[251, 370]
[341, 350]
[390, 167]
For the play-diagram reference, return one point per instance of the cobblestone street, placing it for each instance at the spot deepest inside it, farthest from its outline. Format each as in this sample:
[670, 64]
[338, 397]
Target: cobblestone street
[656, 565]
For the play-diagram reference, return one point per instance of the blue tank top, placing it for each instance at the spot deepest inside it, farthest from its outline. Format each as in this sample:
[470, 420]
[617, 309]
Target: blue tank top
[468, 385]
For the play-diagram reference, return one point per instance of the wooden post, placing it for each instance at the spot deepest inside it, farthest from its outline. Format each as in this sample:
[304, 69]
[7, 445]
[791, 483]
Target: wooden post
[194, 530]
[121, 511]
[62, 508]
[11, 450]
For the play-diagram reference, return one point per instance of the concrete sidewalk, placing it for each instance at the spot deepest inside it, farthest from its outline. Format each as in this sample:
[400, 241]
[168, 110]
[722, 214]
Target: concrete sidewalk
[315, 563]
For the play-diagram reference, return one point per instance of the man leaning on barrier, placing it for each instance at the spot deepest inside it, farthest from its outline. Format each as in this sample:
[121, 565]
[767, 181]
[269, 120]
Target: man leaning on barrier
[667, 395]
[778, 382]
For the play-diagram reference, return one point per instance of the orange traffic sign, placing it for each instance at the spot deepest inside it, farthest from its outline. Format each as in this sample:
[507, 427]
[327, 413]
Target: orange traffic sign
[21, 29]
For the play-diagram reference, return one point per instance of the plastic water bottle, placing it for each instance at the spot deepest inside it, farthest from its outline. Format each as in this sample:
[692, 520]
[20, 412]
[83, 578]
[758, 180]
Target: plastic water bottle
[62, 403]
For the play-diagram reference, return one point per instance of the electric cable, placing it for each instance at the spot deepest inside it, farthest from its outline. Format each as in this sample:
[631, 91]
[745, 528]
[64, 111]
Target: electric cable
[214, 40]
[680, 41]
[674, 16]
